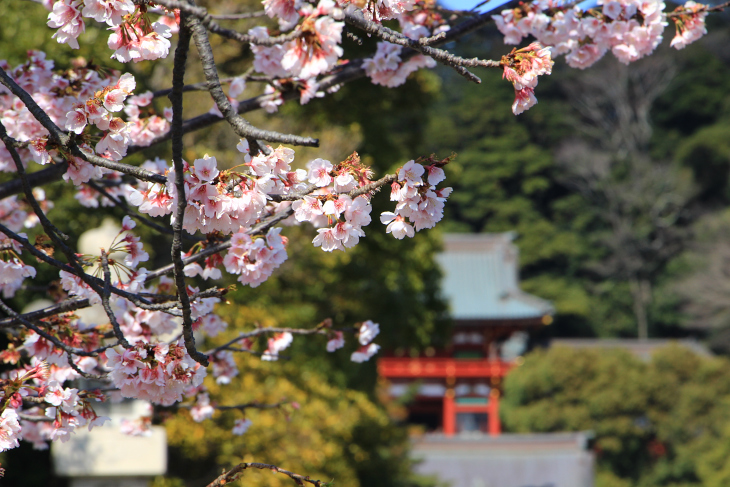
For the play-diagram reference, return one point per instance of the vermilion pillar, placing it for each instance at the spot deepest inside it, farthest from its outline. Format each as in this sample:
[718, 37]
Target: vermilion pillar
[449, 414]
[493, 423]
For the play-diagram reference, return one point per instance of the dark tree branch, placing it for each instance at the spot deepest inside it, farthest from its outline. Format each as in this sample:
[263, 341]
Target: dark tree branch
[105, 300]
[251, 15]
[58, 343]
[239, 125]
[176, 97]
[56, 309]
[206, 19]
[236, 472]
[357, 19]
[340, 75]
[40, 178]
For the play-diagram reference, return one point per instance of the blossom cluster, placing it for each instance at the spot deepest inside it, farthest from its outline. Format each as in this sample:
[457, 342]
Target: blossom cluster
[522, 67]
[118, 134]
[222, 201]
[68, 411]
[387, 69]
[16, 214]
[254, 259]
[367, 332]
[57, 93]
[690, 24]
[419, 204]
[277, 343]
[630, 29]
[335, 206]
[66, 408]
[157, 373]
[76, 99]
[134, 36]
[12, 274]
[313, 52]
[143, 130]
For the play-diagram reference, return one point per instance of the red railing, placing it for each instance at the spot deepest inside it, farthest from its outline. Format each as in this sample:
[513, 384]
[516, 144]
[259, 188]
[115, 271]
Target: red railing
[403, 367]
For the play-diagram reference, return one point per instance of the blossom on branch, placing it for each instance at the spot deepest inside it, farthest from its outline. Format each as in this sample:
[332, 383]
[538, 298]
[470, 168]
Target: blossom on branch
[631, 29]
[157, 373]
[522, 67]
[690, 24]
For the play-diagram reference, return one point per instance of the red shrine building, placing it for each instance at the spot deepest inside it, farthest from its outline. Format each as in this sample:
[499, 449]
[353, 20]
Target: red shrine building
[458, 389]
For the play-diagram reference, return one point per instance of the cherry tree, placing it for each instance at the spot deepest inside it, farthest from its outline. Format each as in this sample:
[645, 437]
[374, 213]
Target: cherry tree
[82, 123]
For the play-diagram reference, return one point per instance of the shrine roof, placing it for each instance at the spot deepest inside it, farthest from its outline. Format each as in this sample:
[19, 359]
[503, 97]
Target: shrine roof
[481, 279]
[508, 460]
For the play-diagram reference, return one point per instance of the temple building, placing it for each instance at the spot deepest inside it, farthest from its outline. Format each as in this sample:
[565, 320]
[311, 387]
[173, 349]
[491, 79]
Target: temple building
[457, 389]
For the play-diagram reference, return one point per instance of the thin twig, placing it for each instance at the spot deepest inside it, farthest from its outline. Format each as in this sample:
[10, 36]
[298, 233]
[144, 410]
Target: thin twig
[250, 15]
[127, 210]
[105, 300]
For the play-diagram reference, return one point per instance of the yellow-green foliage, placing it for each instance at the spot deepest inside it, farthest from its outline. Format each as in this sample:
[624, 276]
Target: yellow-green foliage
[314, 440]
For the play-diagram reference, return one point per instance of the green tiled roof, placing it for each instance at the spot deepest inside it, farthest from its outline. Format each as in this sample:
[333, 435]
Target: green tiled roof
[481, 279]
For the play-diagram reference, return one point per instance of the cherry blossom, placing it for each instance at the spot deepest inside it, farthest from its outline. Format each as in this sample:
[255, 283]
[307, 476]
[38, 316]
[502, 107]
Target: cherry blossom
[9, 429]
[286, 11]
[158, 373]
[109, 11]
[316, 51]
[203, 409]
[690, 24]
[419, 204]
[364, 353]
[255, 259]
[224, 367]
[66, 17]
[137, 40]
[235, 204]
[522, 67]
[336, 342]
[241, 426]
[386, 68]
[631, 29]
[368, 331]
[12, 275]
[278, 343]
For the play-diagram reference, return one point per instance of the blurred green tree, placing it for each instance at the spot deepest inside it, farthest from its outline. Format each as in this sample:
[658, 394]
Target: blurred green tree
[661, 423]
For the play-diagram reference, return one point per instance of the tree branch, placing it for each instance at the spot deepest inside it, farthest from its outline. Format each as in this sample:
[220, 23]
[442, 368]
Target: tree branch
[236, 472]
[176, 97]
[242, 128]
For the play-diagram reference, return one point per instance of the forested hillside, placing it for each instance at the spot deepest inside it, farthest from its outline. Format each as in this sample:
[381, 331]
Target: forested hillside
[617, 186]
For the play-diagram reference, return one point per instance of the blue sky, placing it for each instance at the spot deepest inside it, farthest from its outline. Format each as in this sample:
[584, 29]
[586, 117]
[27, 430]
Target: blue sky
[496, 4]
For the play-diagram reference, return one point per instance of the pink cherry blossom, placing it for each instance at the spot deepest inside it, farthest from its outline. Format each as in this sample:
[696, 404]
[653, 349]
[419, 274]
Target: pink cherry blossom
[224, 367]
[255, 260]
[396, 225]
[336, 342]
[161, 380]
[66, 17]
[109, 11]
[364, 353]
[319, 172]
[277, 343]
[368, 331]
[9, 430]
[203, 409]
[241, 426]
[205, 169]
